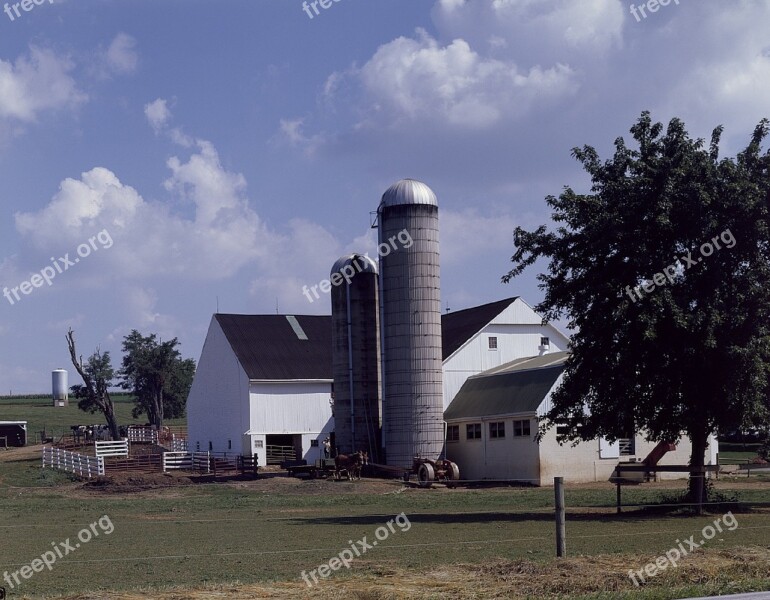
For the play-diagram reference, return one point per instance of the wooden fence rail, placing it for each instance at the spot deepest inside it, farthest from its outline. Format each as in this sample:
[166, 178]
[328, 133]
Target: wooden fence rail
[72, 462]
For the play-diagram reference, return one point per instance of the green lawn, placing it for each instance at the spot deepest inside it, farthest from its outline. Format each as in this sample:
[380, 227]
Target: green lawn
[41, 414]
[213, 533]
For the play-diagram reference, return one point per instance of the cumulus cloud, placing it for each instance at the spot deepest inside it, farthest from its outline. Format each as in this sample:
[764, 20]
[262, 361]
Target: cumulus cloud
[35, 83]
[222, 235]
[412, 79]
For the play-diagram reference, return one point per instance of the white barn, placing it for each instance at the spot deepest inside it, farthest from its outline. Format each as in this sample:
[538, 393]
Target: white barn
[266, 380]
[262, 380]
[493, 420]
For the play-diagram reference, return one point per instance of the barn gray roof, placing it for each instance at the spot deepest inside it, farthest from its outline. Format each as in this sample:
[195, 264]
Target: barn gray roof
[280, 346]
[274, 346]
[515, 387]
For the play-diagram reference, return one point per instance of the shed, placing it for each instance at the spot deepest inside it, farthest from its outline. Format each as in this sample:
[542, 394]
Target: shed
[13, 434]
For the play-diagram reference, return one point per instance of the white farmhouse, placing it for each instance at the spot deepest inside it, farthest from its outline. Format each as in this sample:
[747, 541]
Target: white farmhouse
[493, 420]
[487, 336]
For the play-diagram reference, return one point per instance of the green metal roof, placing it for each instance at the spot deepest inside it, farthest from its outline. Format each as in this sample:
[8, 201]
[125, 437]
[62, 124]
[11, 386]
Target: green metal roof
[516, 387]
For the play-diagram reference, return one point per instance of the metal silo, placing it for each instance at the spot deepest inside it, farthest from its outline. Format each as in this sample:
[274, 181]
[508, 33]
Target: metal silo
[59, 388]
[356, 355]
[410, 308]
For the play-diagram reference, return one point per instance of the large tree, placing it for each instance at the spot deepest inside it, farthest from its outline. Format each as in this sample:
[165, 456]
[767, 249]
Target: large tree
[157, 375]
[662, 272]
[97, 374]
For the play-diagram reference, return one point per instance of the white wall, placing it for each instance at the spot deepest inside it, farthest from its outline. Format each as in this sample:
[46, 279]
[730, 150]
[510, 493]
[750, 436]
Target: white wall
[291, 407]
[217, 406]
[518, 330]
[583, 463]
[496, 458]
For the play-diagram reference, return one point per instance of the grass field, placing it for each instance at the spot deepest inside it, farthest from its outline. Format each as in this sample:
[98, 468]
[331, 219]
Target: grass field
[253, 539]
[176, 539]
[41, 414]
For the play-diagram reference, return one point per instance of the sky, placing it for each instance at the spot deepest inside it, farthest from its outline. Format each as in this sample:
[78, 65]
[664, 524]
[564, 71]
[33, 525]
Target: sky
[164, 159]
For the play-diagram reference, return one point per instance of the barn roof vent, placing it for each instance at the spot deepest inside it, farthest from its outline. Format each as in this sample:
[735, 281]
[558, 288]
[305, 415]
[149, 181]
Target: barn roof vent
[296, 327]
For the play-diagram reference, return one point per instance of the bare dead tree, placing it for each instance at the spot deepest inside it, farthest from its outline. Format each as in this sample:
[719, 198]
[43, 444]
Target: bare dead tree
[97, 375]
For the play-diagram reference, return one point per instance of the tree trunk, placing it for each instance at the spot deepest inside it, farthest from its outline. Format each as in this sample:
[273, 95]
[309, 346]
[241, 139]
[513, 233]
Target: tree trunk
[697, 484]
[112, 422]
[159, 404]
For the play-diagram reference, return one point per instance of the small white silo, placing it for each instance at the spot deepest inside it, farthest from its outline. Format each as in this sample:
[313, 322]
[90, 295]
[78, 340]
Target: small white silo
[59, 387]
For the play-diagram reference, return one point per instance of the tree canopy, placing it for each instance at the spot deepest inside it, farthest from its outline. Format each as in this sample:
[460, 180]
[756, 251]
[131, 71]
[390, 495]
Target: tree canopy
[156, 374]
[662, 273]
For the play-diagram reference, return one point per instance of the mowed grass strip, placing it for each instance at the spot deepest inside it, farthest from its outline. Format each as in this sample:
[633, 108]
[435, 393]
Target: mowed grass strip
[40, 414]
[271, 530]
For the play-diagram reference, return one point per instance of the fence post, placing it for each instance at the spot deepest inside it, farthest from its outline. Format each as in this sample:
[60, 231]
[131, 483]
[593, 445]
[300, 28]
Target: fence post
[617, 483]
[561, 532]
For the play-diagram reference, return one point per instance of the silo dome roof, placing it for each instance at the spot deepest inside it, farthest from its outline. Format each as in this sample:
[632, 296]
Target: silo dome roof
[408, 191]
[360, 262]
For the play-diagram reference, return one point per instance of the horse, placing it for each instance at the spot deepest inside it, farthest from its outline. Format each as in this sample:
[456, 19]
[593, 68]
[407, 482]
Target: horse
[351, 464]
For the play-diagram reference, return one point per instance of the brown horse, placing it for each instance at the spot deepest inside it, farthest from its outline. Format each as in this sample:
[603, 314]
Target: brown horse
[351, 464]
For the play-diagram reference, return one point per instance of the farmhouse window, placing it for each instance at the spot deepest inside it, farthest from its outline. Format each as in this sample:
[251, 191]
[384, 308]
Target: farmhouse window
[493, 343]
[626, 447]
[521, 428]
[314, 443]
[473, 431]
[258, 444]
[453, 433]
[497, 430]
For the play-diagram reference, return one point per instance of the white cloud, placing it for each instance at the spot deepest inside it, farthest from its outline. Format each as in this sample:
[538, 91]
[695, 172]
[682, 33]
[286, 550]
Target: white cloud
[36, 83]
[291, 132]
[542, 28]
[121, 55]
[157, 113]
[420, 80]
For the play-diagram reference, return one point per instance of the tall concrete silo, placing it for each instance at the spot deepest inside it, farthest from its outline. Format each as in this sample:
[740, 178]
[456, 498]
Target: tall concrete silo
[356, 355]
[410, 308]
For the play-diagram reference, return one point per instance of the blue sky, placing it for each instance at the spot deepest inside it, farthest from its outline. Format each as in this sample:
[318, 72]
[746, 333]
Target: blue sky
[235, 149]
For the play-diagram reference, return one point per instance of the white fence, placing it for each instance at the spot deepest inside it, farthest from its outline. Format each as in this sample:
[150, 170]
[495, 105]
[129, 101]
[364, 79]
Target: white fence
[178, 444]
[72, 462]
[177, 460]
[112, 448]
[142, 434]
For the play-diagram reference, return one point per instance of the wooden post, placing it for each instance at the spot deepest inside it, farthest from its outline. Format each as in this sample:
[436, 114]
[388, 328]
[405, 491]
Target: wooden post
[561, 533]
[618, 495]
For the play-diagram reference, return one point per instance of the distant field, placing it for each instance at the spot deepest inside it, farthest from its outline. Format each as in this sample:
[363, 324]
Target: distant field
[40, 414]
